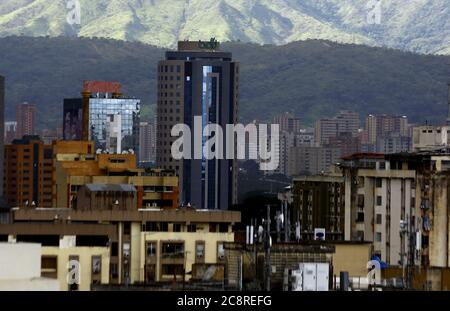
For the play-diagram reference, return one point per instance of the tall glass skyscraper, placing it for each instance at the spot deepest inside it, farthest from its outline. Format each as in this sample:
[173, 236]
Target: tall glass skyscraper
[94, 117]
[198, 81]
[100, 112]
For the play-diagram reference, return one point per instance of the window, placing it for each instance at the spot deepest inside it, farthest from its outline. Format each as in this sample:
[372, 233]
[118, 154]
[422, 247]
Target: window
[126, 250]
[223, 227]
[220, 251]
[152, 226]
[96, 265]
[173, 250]
[126, 228]
[192, 228]
[151, 249]
[114, 271]
[171, 270]
[379, 219]
[379, 200]
[49, 267]
[199, 251]
[360, 235]
[378, 237]
[360, 216]
[360, 200]
[114, 249]
[176, 227]
[117, 160]
[378, 182]
[382, 165]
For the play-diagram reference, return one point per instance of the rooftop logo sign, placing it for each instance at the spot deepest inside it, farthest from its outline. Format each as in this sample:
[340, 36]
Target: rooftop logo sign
[212, 44]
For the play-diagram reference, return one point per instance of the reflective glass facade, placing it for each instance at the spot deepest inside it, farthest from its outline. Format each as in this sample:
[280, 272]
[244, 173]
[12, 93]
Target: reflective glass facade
[73, 119]
[198, 83]
[128, 109]
[210, 114]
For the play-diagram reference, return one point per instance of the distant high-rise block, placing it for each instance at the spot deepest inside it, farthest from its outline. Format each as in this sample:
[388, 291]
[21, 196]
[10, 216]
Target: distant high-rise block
[348, 143]
[312, 160]
[387, 133]
[288, 140]
[49, 135]
[2, 129]
[147, 142]
[198, 81]
[448, 107]
[287, 122]
[10, 131]
[73, 119]
[344, 122]
[28, 172]
[25, 117]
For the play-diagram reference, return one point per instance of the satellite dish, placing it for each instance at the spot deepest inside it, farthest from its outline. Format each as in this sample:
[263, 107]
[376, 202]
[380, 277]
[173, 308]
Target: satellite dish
[99, 151]
[131, 151]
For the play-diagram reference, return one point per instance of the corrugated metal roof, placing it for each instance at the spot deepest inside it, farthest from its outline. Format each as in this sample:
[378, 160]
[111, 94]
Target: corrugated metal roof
[111, 187]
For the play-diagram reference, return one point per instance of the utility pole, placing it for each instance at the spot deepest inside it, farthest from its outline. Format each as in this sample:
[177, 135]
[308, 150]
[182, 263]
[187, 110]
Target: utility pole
[267, 250]
[255, 247]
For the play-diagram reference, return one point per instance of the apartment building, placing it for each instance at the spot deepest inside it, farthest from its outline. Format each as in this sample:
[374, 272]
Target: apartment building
[318, 202]
[379, 199]
[304, 160]
[429, 138]
[25, 117]
[114, 246]
[28, 172]
[343, 122]
[198, 80]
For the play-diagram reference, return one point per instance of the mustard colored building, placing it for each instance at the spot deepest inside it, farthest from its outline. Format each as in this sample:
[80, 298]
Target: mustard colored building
[115, 247]
[76, 164]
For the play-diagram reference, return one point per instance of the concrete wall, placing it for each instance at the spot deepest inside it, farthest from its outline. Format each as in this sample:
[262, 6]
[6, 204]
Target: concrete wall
[20, 261]
[352, 258]
[20, 268]
[438, 251]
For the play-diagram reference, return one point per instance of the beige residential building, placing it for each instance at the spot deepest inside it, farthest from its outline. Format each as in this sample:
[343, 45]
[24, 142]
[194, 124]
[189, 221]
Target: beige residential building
[117, 247]
[426, 138]
[379, 195]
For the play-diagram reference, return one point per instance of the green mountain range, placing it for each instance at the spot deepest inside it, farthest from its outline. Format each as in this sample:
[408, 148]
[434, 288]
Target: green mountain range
[415, 25]
[310, 78]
